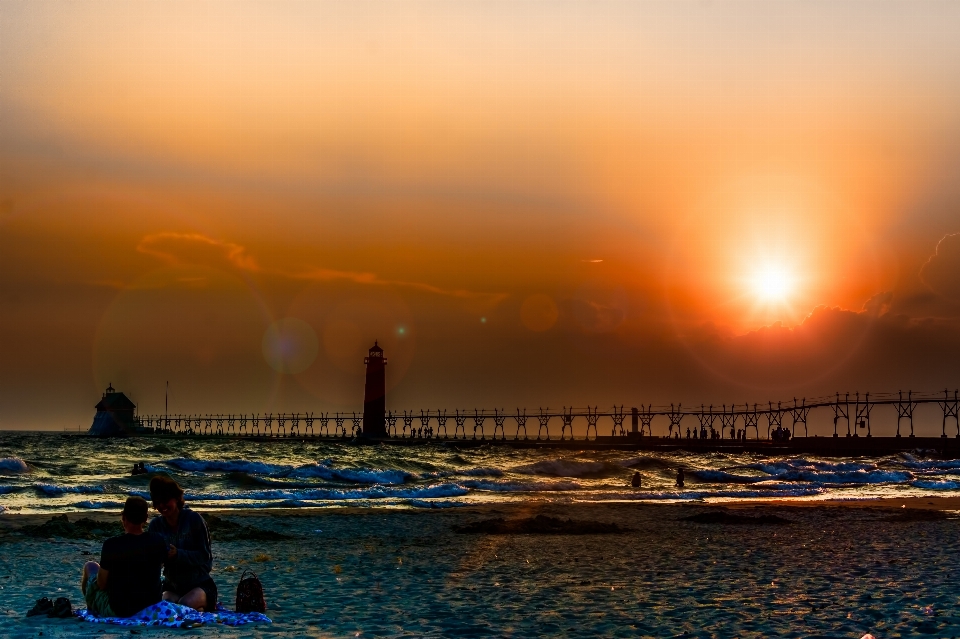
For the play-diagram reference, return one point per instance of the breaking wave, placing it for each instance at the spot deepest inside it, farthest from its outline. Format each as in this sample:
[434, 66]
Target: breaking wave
[14, 465]
[321, 470]
[54, 490]
[569, 468]
[332, 494]
[96, 505]
[936, 485]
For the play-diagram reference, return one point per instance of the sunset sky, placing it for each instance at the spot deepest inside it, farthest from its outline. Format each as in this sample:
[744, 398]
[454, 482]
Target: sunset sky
[526, 203]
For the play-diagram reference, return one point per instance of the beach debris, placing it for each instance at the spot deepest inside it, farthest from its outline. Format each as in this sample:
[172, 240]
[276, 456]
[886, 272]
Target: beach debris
[225, 530]
[540, 525]
[61, 526]
[724, 517]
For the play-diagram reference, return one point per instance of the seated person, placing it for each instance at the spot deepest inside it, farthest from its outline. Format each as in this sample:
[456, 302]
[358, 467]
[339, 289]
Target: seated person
[127, 579]
[189, 560]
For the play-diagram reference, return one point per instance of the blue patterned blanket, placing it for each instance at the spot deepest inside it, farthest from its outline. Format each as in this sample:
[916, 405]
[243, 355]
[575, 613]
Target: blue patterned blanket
[172, 615]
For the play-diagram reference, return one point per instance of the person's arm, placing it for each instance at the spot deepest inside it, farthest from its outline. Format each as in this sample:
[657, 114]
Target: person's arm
[102, 576]
[201, 555]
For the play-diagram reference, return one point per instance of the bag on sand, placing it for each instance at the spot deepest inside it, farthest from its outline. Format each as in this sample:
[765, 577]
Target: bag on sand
[250, 593]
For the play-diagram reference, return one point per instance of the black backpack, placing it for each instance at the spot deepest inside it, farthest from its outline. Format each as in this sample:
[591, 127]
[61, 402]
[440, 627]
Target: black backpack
[250, 593]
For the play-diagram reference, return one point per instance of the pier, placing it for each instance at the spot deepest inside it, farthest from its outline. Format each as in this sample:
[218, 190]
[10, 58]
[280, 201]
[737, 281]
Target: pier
[774, 428]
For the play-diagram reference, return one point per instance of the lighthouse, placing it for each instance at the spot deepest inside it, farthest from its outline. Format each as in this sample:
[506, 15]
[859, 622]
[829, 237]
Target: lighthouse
[374, 394]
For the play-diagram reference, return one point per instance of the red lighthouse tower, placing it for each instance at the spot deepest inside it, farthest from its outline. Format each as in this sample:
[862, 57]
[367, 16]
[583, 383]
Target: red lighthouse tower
[374, 395]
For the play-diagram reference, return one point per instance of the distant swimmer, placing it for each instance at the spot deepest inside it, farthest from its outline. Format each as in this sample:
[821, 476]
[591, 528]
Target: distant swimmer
[636, 480]
[139, 469]
[679, 478]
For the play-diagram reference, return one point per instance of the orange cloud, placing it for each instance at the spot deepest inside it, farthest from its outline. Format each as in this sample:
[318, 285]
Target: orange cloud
[195, 248]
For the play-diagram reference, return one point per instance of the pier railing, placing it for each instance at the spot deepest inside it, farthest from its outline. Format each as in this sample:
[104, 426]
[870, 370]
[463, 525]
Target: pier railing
[851, 413]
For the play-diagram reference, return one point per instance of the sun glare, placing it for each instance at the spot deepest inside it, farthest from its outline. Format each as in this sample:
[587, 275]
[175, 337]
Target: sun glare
[772, 283]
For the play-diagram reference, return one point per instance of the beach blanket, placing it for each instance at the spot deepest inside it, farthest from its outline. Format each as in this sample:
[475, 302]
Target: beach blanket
[170, 615]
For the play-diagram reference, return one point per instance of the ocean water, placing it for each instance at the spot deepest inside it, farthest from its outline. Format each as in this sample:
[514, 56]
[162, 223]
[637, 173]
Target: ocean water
[55, 472]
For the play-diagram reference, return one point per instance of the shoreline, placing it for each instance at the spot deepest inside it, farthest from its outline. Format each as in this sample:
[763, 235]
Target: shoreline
[11, 521]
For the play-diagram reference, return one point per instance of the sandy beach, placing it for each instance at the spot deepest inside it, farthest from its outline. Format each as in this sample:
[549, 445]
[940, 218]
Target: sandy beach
[785, 569]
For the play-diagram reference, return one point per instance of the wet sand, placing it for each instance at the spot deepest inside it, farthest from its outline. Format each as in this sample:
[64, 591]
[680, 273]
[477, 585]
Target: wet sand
[923, 503]
[837, 569]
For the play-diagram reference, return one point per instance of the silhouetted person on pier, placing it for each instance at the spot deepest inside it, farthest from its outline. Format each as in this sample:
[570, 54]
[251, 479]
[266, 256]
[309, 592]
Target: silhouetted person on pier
[688, 432]
[636, 481]
[679, 478]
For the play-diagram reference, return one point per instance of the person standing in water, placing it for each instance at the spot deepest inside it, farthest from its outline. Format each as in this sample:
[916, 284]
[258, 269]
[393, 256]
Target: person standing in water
[637, 480]
[189, 560]
[679, 478]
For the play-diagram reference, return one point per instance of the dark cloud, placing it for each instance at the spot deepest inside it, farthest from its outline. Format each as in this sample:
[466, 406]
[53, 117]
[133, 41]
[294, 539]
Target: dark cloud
[878, 304]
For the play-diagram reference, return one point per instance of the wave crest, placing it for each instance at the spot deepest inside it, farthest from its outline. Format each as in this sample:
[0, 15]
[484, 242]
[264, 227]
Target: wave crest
[14, 465]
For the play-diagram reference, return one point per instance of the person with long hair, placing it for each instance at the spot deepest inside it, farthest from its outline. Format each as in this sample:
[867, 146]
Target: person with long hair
[186, 572]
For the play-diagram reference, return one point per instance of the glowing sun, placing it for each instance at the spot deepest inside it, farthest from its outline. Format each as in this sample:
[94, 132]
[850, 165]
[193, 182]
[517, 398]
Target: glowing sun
[772, 283]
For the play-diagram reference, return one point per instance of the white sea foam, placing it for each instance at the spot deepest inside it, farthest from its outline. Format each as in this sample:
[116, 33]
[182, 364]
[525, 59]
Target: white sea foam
[328, 494]
[859, 477]
[226, 466]
[321, 470]
[688, 495]
[936, 485]
[96, 505]
[54, 490]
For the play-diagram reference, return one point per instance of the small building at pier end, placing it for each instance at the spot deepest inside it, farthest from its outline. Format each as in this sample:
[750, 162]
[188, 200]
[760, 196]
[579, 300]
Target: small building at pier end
[116, 415]
[374, 394]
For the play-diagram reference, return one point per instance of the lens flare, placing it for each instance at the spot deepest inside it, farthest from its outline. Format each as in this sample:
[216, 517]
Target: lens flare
[290, 345]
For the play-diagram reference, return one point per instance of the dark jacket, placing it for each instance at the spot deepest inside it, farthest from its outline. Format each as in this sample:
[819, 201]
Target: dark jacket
[194, 559]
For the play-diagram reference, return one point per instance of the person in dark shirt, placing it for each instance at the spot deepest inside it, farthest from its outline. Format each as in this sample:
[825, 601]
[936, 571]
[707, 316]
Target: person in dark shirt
[189, 560]
[127, 579]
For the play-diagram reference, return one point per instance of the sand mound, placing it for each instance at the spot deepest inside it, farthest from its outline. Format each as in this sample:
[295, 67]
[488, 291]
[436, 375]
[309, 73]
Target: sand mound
[61, 526]
[225, 530]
